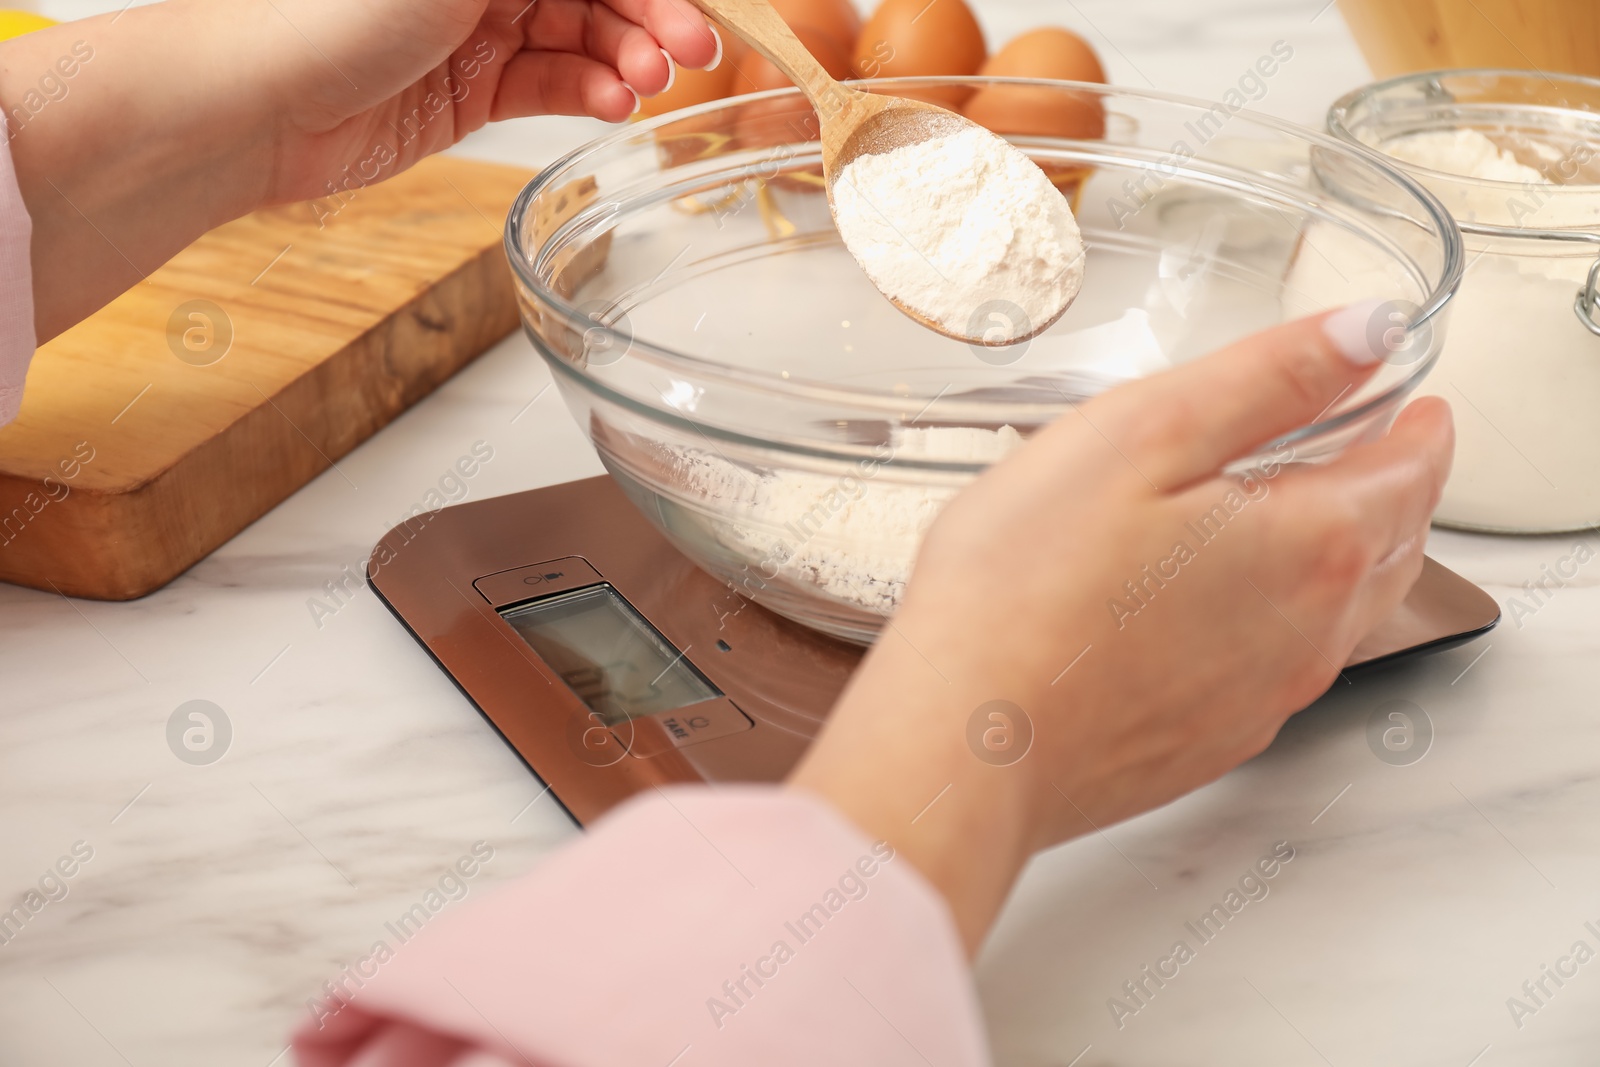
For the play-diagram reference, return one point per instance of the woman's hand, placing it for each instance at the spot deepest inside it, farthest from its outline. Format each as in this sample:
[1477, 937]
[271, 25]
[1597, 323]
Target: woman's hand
[180, 116]
[417, 75]
[1153, 621]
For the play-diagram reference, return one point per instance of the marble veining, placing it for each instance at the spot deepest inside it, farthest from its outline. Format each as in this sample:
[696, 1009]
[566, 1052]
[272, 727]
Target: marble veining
[218, 897]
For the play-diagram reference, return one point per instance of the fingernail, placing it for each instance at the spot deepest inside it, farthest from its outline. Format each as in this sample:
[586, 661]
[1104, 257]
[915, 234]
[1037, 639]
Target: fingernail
[672, 69]
[716, 59]
[1358, 330]
[637, 103]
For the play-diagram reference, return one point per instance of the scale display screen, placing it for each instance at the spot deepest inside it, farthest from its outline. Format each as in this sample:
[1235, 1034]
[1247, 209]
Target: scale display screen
[617, 663]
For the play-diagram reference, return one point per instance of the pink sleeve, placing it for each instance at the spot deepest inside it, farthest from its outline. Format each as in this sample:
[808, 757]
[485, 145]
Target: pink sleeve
[693, 927]
[16, 286]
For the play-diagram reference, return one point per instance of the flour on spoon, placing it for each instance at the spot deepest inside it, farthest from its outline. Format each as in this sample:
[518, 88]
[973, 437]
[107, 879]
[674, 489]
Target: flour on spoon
[964, 230]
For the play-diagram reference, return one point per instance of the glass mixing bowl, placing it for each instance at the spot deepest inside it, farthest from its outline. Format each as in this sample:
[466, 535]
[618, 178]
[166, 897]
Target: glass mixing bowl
[790, 431]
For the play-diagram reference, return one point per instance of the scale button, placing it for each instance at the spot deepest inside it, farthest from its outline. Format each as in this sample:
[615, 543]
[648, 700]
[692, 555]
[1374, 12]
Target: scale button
[703, 723]
[536, 579]
[685, 727]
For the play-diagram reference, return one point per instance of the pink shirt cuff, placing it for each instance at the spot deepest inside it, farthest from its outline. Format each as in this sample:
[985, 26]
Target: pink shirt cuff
[693, 926]
[17, 338]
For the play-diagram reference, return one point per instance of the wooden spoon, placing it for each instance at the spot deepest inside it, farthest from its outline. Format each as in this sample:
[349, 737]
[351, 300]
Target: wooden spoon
[852, 123]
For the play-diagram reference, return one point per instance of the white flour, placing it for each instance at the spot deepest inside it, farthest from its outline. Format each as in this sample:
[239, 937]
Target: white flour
[948, 225]
[1522, 375]
[852, 536]
[1467, 153]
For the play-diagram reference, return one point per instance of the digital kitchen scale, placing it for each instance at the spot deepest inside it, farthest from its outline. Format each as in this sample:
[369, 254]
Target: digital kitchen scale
[613, 664]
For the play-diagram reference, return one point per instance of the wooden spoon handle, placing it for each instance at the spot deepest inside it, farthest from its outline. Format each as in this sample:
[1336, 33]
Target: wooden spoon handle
[760, 25]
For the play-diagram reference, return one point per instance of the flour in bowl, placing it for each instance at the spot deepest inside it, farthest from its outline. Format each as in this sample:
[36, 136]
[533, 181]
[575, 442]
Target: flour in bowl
[853, 536]
[956, 227]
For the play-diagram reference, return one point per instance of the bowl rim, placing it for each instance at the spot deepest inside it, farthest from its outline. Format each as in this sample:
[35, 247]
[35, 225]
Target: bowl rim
[888, 402]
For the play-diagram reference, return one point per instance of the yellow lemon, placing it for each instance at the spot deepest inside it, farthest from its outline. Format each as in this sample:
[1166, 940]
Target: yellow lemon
[17, 23]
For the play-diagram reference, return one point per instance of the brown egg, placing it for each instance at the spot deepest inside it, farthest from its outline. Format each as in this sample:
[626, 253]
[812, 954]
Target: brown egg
[911, 38]
[1049, 52]
[837, 21]
[755, 73]
[1015, 109]
[769, 123]
[689, 87]
[684, 140]
[766, 123]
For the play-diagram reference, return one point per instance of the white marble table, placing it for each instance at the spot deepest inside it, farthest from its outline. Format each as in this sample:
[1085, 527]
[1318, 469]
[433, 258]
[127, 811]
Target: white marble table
[219, 896]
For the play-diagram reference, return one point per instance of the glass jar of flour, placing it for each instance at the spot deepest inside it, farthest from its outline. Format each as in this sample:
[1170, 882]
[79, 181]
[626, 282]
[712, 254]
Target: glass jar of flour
[1515, 157]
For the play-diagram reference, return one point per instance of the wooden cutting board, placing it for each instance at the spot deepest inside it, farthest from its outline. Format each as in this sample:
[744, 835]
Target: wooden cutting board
[163, 425]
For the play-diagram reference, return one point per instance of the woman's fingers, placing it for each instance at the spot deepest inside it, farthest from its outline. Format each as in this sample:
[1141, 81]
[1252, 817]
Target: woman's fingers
[1343, 541]
[636, 39]
[596, 31]
[1190, 422]
[1338, 542]
[1398, 480]
[678, 25]
[560, 83]
[1384, 490]
[630, 49]
[630, 37]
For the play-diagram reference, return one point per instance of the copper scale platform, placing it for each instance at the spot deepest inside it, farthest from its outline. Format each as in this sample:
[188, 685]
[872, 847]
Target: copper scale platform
[613, 664]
